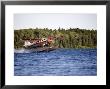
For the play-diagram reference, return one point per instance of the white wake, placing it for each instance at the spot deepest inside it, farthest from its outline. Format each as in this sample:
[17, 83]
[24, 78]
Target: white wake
[21, 50]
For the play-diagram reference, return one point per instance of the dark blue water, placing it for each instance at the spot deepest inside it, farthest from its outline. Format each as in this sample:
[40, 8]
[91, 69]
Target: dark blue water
[60, 62]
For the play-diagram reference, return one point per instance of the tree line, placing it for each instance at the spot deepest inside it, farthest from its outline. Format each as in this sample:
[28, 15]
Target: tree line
[71, 38]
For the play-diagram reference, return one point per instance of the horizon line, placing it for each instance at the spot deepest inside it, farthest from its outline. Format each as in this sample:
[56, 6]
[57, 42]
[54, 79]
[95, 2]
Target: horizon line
[54, 28]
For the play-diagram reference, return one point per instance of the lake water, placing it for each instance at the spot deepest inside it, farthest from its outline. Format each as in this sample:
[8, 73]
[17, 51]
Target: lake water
[60, 62]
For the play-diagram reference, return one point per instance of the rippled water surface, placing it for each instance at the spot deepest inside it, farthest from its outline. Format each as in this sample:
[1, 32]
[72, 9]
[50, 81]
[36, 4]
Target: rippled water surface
[60, 62]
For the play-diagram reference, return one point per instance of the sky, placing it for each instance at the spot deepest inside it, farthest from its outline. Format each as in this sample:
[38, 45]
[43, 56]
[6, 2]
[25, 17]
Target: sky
[55, 20]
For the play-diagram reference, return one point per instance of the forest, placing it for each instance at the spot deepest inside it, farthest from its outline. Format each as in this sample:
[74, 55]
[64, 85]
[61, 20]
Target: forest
[65, 38]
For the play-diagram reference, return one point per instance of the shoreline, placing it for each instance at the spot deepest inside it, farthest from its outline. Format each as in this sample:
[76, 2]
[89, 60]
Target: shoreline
[58, 48]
